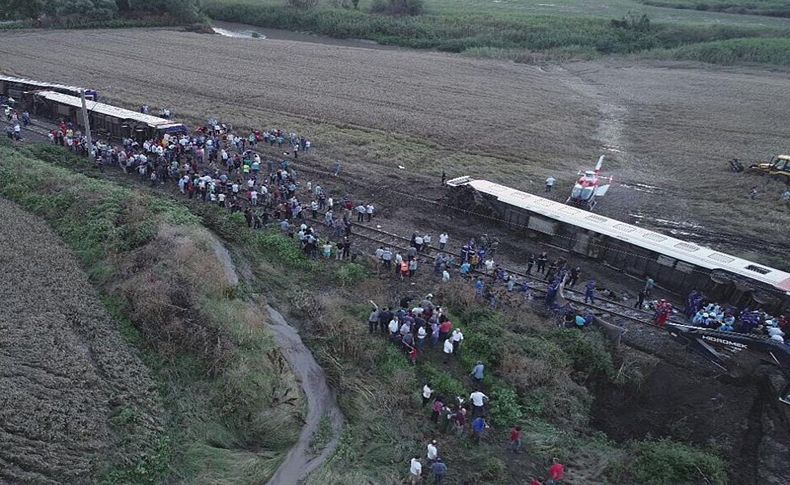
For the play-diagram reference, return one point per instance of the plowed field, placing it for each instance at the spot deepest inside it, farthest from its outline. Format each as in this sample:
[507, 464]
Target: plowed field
[75, 399]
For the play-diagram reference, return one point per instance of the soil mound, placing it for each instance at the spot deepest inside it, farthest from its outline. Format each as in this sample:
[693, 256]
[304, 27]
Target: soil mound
[76, 399]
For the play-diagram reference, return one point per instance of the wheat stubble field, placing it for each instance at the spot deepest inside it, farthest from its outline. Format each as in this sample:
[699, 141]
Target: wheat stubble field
[670, 126]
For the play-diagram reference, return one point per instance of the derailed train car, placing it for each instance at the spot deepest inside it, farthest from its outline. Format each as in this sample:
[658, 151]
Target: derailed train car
[20, 88]
[106, 119]
[675, 264]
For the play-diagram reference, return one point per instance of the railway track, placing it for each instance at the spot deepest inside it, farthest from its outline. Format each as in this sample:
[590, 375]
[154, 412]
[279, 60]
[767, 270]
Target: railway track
[613, 312]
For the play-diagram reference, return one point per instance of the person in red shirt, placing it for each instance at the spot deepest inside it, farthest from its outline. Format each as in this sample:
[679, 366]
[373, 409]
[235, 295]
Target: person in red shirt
[515, 439]
[444, 329]
[556, 472]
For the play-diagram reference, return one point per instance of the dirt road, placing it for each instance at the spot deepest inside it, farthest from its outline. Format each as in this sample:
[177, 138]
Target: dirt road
[75, 398]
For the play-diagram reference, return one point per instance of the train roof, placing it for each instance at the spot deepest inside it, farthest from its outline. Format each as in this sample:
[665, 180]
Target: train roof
[40, 84]
[106, 109]
[681, 250]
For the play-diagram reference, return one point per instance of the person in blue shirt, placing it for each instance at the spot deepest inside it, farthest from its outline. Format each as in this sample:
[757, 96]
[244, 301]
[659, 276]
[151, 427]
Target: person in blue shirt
[439, 470]
[589, 292]
[478, 371]
[479, 425]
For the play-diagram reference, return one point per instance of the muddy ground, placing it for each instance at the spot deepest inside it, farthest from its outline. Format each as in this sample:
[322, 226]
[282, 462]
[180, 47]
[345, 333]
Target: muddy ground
[741, 419]
[76, 400]
[667, 128]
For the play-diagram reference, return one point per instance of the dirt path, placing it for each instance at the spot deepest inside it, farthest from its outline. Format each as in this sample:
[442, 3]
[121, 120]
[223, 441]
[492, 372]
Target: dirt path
[300, 460]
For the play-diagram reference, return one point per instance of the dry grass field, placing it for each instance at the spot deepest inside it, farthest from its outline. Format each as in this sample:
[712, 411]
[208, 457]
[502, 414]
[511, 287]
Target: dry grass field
[668, 126]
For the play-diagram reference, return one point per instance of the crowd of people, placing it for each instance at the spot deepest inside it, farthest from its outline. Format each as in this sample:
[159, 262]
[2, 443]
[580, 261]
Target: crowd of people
[425, 327]
[701, 312]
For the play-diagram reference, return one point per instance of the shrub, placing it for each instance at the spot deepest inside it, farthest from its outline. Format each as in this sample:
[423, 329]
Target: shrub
[302, 4]
[665, 461]
[506, 410]
[398, 7]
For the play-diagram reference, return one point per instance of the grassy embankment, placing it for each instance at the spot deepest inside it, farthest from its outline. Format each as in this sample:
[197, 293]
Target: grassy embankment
[498, 32]
[233, 404]
[536, 375]
[770, 8]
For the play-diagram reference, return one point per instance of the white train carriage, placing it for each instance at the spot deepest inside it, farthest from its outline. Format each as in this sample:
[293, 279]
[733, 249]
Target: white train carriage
[104, 118]
[19, 88]
[676, 264]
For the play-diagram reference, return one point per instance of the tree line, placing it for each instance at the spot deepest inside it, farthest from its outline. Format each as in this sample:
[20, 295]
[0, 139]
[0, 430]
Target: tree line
[185, 10]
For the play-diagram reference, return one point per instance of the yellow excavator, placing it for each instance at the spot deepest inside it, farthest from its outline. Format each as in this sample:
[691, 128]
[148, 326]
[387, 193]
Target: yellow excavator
[778, 168]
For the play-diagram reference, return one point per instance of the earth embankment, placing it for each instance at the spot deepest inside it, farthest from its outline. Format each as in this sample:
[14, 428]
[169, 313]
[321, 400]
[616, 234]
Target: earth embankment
[76, 400]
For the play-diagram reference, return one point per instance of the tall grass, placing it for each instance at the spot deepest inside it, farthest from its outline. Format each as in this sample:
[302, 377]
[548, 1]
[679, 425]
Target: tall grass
[770, 8]
[735, 51]
[467, 32]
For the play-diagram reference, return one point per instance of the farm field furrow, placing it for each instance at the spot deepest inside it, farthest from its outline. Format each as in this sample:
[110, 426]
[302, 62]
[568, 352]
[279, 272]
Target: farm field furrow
[70, 383]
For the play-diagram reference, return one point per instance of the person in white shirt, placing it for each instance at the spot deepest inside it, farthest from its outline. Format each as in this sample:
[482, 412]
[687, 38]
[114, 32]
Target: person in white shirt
[433, 452]
[443, 238]
[456, 337]
[550, 183]
[427, 392]
[418, 243]
[447, 349]
[393, 327]
[415, 470]
[478, 403]
[445, 276]
[369, 211]
[426, 240]
[489, 263]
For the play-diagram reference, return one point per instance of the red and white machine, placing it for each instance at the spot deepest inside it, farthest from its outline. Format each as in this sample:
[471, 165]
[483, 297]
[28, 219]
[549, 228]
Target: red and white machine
[589, 187]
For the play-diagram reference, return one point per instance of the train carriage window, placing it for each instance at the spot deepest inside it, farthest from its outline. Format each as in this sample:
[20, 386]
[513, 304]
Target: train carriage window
[758, 269]
[654, 237]
[624, 227]
[721, 258]
[686, 246]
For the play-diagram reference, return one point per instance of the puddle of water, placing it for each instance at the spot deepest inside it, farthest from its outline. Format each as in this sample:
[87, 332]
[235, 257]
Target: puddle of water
[243, 34]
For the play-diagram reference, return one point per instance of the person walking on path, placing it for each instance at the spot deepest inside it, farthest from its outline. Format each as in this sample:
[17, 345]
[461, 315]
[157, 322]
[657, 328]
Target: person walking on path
[478, 403]
[457, 337]
[515, 439]
[432, 452]
[415, 470]
[478, 372]
[373, 318]
[556, 472]
[426, 394]
[439, 470]
[448, 350]
[479, 426]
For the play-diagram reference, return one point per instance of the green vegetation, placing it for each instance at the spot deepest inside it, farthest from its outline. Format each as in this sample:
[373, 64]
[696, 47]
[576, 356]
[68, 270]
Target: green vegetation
[506, 32]
[771, 8]
[735, 51]
[234, 404]
[664, 461]
[110, 13]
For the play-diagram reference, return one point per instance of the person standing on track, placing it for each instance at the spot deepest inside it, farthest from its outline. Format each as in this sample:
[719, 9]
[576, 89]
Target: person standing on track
[589, 292]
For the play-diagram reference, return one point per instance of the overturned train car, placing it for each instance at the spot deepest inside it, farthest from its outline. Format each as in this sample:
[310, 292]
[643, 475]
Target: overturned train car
[677, 265]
